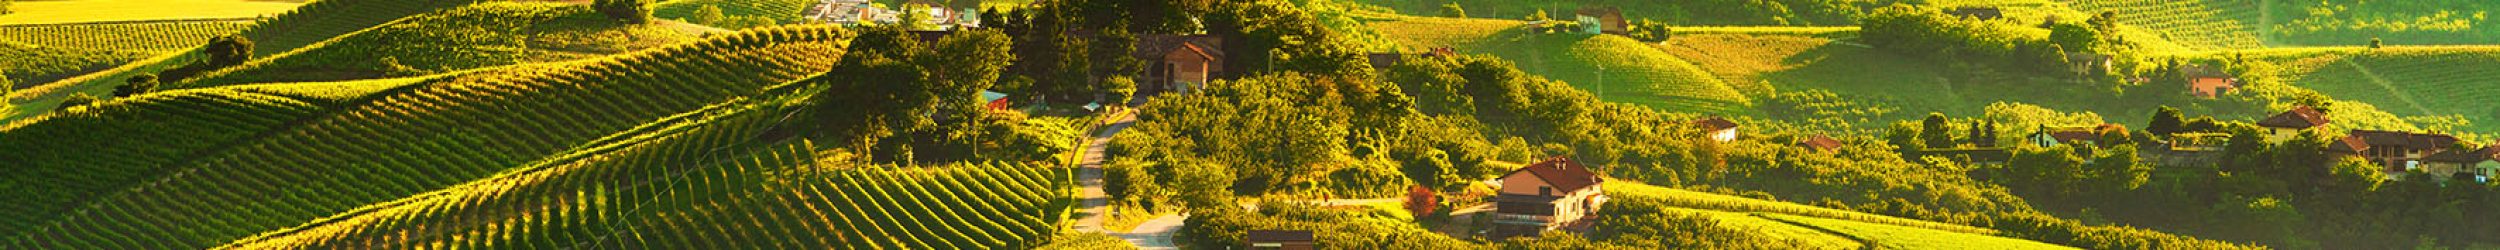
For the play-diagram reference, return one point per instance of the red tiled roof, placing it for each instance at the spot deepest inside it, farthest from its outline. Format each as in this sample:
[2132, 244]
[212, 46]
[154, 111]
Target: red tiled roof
[1715, 124]
[2299, 117]
[2377, 138]
[1566, 175]
[1821, 142]
[1157, 45]
[2348, 144]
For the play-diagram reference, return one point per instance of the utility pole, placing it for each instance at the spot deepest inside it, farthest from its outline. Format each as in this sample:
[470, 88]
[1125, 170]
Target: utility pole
[1601, 82]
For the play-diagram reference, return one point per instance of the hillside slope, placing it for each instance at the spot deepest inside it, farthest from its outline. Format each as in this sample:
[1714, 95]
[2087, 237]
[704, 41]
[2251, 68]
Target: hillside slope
[2404, 81]
[450, 129]
[1800, 225]
[308, 23]
[467, 37]
[33, 54]
[1616, 68]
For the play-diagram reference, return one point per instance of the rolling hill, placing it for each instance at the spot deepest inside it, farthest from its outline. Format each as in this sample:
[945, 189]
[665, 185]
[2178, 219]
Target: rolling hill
[2404, 81]
[40, 53]
[461, 38]
[447, 129]
[81, 11]
[1618, 69]
[307, 24]
[1802, 225]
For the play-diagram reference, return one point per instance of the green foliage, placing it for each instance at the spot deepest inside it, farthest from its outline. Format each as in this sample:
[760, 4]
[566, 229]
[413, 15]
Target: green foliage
[1935, 132]
[228, 51]
[2166, 120]
[1085, 241]
[139, 84]
[1224, 226]
[751, 11]
[625, 11]
[2375, 43]
[454, 39]
[1452, 10]
[2341, 22]
[75, 100]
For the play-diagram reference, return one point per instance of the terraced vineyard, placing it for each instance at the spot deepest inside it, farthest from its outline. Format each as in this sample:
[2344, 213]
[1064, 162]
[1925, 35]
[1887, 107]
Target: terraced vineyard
[784, 11]
[704, 179]
[1884, 236]
[2442, 81]
[309, 23]
[450, 129]
[1636, 192]
[467, 37]
[155, 37]
[2198, 24]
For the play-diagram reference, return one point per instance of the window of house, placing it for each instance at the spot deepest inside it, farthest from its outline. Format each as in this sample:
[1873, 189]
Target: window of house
[1545, 191]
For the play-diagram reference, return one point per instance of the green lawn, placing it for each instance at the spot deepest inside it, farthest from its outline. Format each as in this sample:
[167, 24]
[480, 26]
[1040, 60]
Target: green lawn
[79, 11]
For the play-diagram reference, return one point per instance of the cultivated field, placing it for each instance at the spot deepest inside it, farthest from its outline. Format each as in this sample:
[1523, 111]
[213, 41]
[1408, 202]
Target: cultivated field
[81, 11]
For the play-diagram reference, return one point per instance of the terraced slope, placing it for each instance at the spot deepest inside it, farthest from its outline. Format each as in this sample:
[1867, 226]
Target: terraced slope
[81, 11]
[1618, 69]
[156, 37]
[2430, 81]
[2198, 24]
[1802, 226]
[1884, 236]
[706, 179]
[467, 37]
[123, 142]
[34, 54]
[308, 23]
[784, 11]
[1637, 192]
[451, 129]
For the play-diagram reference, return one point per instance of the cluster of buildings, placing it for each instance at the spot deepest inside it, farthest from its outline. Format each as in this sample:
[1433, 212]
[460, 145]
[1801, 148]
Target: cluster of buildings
[2397, 153]
[863, 11]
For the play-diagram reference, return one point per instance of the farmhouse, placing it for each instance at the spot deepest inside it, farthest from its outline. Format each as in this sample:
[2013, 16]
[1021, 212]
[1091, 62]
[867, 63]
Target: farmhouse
[1602, 20]
[2398, 152]
[2284, 126]
[2087, 136]
[2207, 82]
[2088, 64]
[1719, 129]
[1178, 63]
[1278, 240]
[1557, 194]
[2462, 163]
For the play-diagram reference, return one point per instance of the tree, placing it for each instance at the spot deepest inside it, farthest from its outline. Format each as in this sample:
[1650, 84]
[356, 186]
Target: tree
[74, 100]
[2166, 121]
[915, 17]
[2375, 43]
[139, 84]
[5, 87]
[4, 6]
[1540, 16]
[1904, 139]
[1452, 10]
[710, 16]
[229, 50]
[1935, 132]
[1977, 132]
[1421, 201]
[626, 11]
[2075, 37]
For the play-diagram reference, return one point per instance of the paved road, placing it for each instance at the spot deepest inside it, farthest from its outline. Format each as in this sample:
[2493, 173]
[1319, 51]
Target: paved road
[1093, 202]
[1155, 234]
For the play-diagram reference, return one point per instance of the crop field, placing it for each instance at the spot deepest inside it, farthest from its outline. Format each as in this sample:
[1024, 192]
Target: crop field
[1627, 190]
[468, 37]
[2198, 24]
[81, 11]
[1900, 237]
[2425, 81]
[446, 130]
[1756, 225]
[307, 24]
[1616, 68]
[153, 37]
[784, 11]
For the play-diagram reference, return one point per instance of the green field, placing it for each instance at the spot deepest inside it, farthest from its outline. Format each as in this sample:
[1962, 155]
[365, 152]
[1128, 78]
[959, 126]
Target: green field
[42, 53]
[445, 131]
[308, 24]
[1801, 225]
[1900, 237]
[476, 36]
[2404, 81]
[81, 11]
[1616, 68]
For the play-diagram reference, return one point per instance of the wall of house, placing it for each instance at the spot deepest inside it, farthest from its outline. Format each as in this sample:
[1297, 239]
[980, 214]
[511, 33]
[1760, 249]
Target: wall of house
[1724, 135]
[2279, 135]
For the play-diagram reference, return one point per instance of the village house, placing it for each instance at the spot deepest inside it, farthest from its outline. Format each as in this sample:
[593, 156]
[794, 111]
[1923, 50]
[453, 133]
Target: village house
[2207, 82]
[1602, 20]
[2473, 164]
[2084, 136]
[1821, 143]
[2287, 125]
[1718, 129]
[2088, 64]
[1178, 63]
[2398, 152]
[852, 12]
[1278, 240]
[1983, 13]
[1557, 194]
